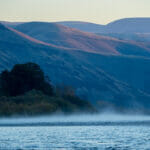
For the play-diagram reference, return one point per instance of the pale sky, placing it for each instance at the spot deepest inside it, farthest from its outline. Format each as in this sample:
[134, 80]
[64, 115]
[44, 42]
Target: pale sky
[96, 11]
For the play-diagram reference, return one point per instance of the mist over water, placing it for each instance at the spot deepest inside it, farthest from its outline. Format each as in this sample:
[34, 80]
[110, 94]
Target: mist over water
[107, 131]
[76, 132]
[59, 119]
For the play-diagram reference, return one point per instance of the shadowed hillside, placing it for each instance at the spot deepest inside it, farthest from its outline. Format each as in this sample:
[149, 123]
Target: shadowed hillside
[76, 68]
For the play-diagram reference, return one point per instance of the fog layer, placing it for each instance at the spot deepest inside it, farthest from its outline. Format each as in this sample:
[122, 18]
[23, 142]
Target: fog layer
[75, 118]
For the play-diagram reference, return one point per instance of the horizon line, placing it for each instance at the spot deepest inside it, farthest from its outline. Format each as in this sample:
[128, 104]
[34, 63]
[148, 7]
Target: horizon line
[79, 21]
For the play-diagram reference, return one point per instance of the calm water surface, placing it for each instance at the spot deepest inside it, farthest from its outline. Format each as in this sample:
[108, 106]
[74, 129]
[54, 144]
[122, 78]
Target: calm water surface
[115, 137]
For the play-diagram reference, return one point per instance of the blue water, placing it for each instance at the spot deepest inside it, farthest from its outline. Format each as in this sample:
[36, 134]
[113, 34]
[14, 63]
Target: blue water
[75, 137]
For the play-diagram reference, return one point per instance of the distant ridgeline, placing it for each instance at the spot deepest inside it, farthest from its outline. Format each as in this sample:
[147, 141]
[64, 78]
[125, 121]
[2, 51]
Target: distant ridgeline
[112, 74]
[26, 91]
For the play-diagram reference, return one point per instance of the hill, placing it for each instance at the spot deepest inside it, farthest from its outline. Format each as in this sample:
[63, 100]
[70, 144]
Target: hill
[138, 37]
[136, 29]
[67, 37]
[71, 38]
[84, 26]
[130, 25]
[77, 68]
[127, 25]
[10, 24]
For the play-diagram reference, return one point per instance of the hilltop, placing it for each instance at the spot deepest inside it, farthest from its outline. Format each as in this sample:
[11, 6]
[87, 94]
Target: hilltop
[62, 36]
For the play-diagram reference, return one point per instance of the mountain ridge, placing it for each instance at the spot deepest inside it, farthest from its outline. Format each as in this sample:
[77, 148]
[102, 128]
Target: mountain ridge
[72, 38]
[142, 26]
[80, 69]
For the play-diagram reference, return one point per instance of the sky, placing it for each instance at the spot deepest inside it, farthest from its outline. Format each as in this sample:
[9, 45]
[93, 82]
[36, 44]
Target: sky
[96, 11]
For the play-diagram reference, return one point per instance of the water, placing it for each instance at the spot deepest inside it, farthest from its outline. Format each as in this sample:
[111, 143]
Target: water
[109, 136]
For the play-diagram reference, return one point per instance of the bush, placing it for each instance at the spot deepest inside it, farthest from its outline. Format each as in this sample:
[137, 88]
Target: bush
[25, 91]
[37, 103]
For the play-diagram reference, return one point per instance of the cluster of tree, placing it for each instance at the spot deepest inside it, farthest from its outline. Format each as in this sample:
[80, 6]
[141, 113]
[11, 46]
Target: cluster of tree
[23, 78]
[26, 91]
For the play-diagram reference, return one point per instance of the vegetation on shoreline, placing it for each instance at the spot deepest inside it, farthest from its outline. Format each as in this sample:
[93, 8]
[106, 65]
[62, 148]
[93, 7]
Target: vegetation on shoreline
[26, 91]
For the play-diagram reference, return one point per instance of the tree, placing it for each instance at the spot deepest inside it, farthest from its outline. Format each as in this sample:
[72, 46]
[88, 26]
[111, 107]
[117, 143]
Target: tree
[23, 78]
[64, 90]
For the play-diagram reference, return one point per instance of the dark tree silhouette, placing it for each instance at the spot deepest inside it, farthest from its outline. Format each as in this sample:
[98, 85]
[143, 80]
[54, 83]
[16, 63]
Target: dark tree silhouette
[26, 91]
[23, 78]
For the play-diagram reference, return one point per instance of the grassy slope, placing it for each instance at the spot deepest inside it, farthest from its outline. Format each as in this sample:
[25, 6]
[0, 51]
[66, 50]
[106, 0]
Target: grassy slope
[71, 38]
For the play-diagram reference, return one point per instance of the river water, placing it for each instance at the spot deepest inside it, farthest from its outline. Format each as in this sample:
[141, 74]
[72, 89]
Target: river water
[93, 135]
